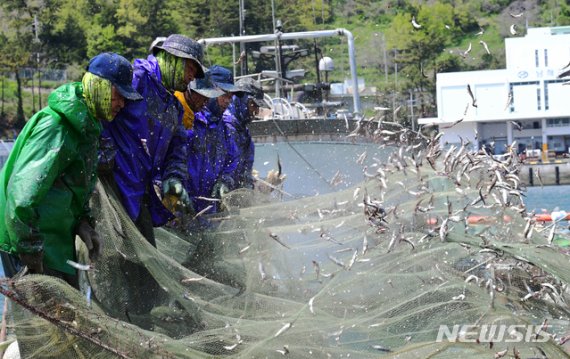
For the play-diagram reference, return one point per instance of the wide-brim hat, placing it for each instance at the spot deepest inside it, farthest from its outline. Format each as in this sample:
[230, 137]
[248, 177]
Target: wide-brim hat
[117, 70]
[184, 47]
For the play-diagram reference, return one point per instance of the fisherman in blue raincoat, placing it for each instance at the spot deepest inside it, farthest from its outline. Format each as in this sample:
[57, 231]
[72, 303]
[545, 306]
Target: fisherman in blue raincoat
[212, 151]
[239, 114]
[146, 147]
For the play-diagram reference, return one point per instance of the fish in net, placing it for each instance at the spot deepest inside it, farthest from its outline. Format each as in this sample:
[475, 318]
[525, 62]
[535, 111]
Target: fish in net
[431, 238]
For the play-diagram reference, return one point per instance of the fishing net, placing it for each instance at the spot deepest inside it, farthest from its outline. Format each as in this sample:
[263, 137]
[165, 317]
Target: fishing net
[431, 237]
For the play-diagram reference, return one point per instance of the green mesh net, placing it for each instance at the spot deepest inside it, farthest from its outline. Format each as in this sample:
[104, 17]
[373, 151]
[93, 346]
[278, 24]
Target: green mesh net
[431, 238]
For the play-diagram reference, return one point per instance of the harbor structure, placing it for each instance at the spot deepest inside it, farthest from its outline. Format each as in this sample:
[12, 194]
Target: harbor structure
[526, 102]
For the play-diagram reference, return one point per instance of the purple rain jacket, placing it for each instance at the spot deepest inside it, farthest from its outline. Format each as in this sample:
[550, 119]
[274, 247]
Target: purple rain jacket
[149, 142]
[212, 155]
[237, 115]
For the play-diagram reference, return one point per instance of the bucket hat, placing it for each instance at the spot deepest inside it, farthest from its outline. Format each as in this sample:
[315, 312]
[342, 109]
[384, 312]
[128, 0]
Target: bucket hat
[184, 47]
[205, 87]
[223, 78]
[253, 89]
[157, 42]
[116, 69]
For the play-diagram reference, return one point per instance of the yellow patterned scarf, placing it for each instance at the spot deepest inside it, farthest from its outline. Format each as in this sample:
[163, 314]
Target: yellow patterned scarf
[97, 94]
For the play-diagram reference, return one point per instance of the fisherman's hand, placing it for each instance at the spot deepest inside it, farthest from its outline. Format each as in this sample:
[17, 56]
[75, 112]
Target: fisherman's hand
[187, 202]
[220, 189]
[91, 239]
[173, 186]
[34, 262]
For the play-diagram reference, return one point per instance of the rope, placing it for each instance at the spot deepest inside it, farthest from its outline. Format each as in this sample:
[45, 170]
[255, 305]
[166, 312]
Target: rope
[299, 154]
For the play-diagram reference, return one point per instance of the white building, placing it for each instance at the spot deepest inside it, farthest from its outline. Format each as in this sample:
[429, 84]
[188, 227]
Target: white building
[540, 102]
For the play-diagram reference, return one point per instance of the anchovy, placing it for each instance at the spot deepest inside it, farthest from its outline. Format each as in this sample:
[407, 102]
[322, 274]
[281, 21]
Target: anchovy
[203, 211]
[231, 347]
[262, 271]
[381, 348]
[276, 238]
[190, 280]
[539, 178]
[311, 309]
[337, 261]
[317, 268]
[80, 266]
[352, 260]
[364, 246]
[283, 329]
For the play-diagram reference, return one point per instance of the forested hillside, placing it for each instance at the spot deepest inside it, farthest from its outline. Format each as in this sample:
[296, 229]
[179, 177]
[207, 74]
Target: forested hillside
[393, 54]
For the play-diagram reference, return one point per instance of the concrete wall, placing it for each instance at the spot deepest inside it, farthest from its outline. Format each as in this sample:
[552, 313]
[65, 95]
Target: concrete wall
[302, 130]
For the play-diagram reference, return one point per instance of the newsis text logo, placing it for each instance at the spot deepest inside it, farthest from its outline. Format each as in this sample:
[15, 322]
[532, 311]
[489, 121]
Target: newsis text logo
[496, 333]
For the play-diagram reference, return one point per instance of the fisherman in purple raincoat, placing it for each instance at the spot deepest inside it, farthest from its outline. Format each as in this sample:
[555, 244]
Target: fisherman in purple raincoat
[146, 147]
[212, 152]
[239, 114]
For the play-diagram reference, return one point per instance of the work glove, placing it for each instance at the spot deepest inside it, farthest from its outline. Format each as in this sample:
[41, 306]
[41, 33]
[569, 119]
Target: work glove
[90, 238]
[219, 190]
[34, 261]
[174, 187]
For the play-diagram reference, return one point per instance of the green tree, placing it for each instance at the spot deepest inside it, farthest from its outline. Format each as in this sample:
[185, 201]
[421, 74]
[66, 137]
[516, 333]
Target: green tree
[100, 39]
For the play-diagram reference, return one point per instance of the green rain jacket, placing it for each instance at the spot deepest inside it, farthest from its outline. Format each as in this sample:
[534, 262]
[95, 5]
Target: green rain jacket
[48, 178]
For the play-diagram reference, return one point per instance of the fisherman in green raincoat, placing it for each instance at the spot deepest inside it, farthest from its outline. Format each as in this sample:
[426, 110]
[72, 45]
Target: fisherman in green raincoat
[47, 181]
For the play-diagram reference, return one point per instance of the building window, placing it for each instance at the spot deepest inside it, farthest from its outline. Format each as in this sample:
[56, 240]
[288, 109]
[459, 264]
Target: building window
[536, 57]
[513, 87]
[546, 96]
[546, 83]
[538, 98]
[545, 57]
[558, 122]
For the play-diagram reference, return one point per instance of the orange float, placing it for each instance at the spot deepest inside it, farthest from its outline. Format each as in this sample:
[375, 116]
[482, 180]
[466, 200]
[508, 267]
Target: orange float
[545, 217]
[473, 219]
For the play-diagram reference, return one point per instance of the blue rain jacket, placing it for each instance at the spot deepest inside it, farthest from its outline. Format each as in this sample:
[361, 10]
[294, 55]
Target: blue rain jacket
[212, 155]
[237, 115]
[150, 142]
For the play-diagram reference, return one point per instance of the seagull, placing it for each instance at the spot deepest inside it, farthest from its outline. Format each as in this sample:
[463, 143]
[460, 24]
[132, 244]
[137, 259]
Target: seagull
[509, 100]
[467, 51]
[452, 124]
[513, 29]
[516, 15]
[516, 125]
[415, 24]
[480, 32]
[557, 215]
[240, 59]
[564, 74]
[485, 46]
[448, 27]
[473, 100]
